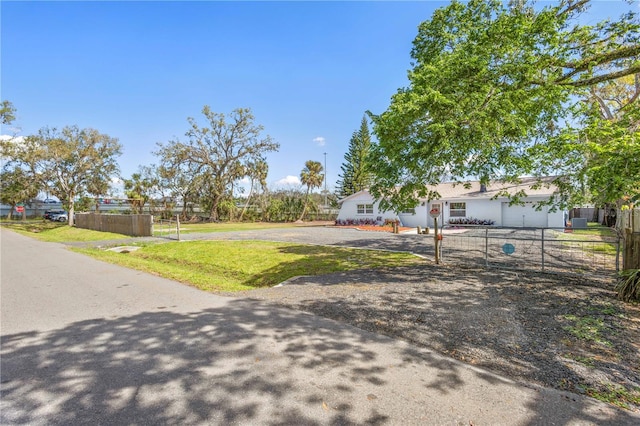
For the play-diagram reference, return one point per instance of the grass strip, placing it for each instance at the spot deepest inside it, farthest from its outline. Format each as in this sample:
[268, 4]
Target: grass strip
[56, 232]
[231, 226]
[615, 394]
[245, 265]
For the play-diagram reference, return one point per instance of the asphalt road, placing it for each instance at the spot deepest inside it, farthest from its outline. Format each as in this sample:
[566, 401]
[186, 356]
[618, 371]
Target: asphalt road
[84, 342]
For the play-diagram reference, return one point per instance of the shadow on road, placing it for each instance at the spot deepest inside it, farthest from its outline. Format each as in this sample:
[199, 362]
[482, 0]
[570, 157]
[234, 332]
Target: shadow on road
[243, 363]
[139, 368]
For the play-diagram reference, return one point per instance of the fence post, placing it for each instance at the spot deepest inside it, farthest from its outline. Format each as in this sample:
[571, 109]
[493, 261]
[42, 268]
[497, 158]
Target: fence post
[618, 254]
[486, 247]
[542, 249]
[178, 226]
[435, 238]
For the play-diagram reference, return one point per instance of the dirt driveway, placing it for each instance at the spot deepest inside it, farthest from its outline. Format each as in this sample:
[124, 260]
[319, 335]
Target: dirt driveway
[564, 332]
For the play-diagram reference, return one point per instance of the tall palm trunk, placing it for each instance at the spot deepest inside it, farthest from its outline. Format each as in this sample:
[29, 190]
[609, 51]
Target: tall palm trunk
[306, 202]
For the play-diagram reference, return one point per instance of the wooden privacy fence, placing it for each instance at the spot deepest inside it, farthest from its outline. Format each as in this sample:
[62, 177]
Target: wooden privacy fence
[136, 225]
[630, 226]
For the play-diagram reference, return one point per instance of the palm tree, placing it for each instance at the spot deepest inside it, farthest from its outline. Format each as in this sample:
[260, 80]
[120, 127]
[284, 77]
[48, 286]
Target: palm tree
[257, 172]
[312, 177]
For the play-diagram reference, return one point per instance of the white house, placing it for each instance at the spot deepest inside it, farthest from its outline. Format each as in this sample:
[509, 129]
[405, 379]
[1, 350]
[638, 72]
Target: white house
[456, 201]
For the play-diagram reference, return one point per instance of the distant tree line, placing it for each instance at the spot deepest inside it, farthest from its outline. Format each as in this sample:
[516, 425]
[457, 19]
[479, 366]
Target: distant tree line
[203, 170]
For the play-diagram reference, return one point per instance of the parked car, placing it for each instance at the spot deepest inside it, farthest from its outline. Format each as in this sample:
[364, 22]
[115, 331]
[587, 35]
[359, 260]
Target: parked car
[60, 217]
[48, 214]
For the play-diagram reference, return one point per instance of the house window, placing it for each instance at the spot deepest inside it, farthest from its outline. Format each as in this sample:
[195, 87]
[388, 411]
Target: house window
[409, 211]
[365, 208]
[458, 209]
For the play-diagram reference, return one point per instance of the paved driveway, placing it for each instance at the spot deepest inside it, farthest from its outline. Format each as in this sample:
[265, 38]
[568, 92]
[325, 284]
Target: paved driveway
[84, 342]
[344, 237]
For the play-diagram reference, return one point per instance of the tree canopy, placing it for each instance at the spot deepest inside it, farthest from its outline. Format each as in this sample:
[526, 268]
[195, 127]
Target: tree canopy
[311, 176]
[607, 139]
[257, 172]
[7, 112]
[16, 186]
[139, 187]
[498, 91]
[219, 155]
[71, 162]
[356, 170]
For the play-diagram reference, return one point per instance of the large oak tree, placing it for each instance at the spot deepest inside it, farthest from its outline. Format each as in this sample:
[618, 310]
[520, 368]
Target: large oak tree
[71, 162]
[219, 153]
[498, 91]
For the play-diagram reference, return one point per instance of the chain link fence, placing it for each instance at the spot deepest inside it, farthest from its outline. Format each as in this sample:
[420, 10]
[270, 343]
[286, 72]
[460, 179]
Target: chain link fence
[554, 250]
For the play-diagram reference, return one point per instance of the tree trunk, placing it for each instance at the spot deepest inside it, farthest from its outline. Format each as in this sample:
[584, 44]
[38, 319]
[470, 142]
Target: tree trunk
[213, 214]
[610, 214]
[184, 209]
[306, 201]
[71, 210]
[246, 204]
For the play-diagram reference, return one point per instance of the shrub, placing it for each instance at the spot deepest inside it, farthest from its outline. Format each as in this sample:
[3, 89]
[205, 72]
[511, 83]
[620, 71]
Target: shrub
[628, 286]
[470, 221]
[355, 222]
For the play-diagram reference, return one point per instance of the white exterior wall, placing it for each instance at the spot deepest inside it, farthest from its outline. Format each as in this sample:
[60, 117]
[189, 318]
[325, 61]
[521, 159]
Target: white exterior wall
[349, 209]
[526, 215]
[417, 219]
[556, 219]
[476, 208]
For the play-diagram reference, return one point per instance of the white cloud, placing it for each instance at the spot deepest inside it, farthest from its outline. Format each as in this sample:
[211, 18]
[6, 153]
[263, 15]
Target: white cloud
[17, 139]
[289, 180]
[319, 140]
[117, 187]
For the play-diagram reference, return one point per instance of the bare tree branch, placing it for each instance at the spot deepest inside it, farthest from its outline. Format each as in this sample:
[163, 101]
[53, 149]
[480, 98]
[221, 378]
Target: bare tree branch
[603, 77]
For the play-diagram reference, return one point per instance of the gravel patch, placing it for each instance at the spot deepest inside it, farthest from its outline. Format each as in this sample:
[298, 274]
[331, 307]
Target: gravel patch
[565, 332]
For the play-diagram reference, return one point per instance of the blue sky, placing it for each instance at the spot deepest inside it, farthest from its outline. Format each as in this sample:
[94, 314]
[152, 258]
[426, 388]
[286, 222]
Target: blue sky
[137, 70]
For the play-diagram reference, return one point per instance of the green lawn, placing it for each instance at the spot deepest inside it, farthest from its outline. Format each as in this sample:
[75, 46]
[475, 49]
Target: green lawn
[186, 228]
[57, 232]
[594, 231]
[60, 232]
[596, 238]
[244, 265]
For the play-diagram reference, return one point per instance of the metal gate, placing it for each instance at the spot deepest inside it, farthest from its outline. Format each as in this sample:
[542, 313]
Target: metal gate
[167, 228]
[534, 249]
